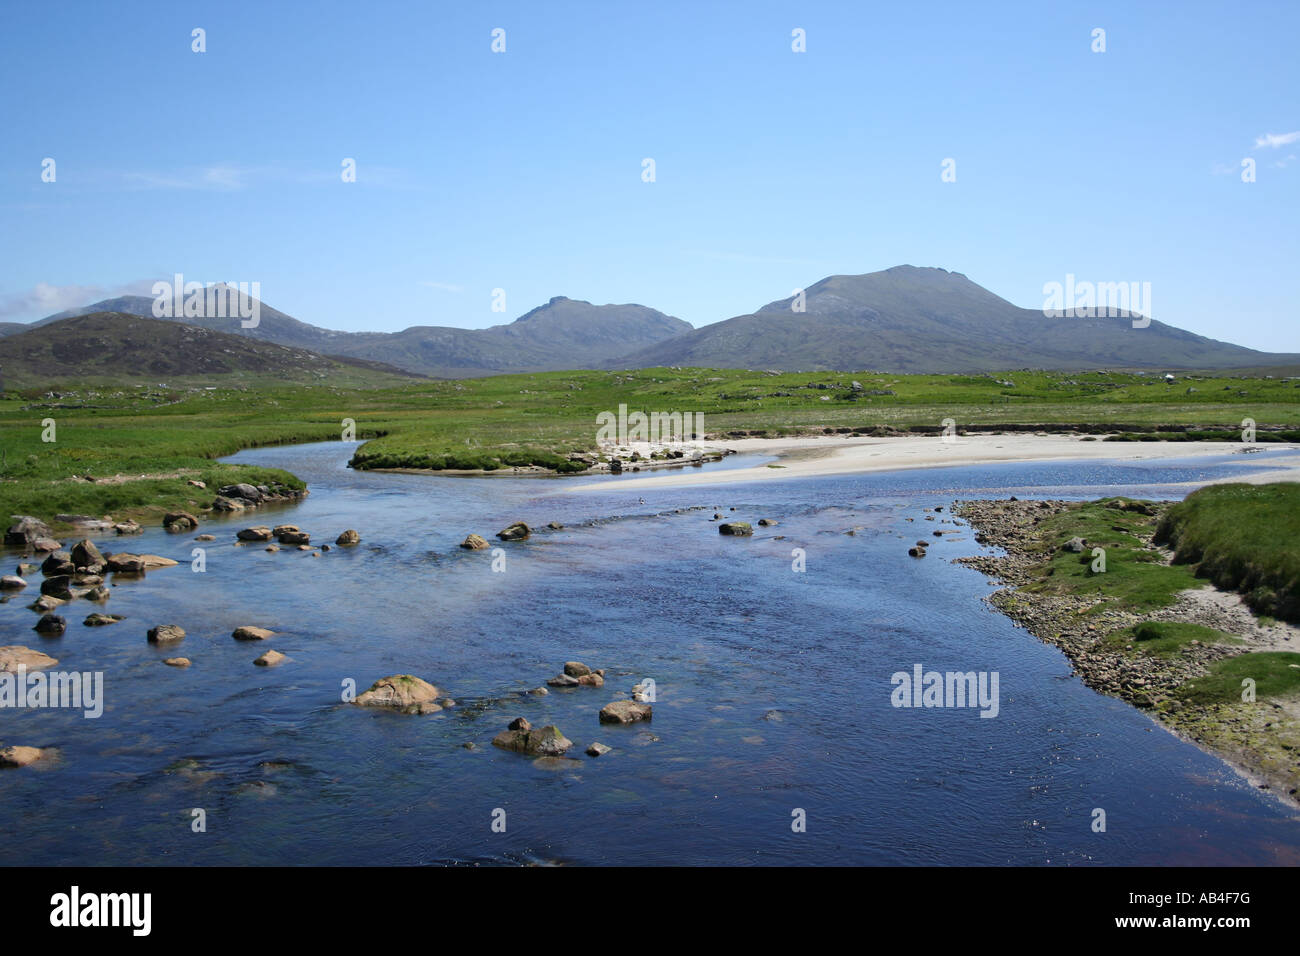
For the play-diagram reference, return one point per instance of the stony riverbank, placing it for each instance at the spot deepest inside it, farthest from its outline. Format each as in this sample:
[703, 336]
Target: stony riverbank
[1095, 626]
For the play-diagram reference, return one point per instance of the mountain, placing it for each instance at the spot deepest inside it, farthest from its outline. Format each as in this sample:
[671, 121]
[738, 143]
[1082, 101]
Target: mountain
[910, 319]
[118, 347]
[562, 334]
[273, 325]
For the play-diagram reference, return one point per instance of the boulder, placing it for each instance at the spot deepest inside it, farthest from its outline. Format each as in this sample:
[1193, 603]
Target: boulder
[242, 490]
[270, 659]
[46, 603]
[250, 633]
[597, 749]
[738, 528]
[25, 530]
[576, 669]
[98, 593]
[520, 723]
[59, 562]
[45, 544]
[474, 543]
[516, 532]
[916, 552]
[100, 620]
[563, 680]
[20, 756]
[295, 537]
[124, 563]
[1075, 544]
[282, 528]
[176, 661]
[766, 522]
[128, 527]
[51, 624]
[625, 712]
[258, 533]
[195, 483]
[13, 656]
[227, 505]
[175, 521]
[205, 537]
[402, 692]
[86, 555]
[11, 582]
[541, 742]
[59, 586]
[348, 537]
[555, 526]
[166, 634]
[152, 561]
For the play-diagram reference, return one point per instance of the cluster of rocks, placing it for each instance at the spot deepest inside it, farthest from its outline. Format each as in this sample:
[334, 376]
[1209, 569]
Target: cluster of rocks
[243, 496]
[13, 657]
[290, 535]
[577, 674]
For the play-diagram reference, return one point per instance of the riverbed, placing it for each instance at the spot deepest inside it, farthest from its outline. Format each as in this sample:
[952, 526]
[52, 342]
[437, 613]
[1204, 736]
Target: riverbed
[773, 687]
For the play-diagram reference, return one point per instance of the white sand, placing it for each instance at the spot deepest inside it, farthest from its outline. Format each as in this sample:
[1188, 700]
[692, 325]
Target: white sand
[830, 455]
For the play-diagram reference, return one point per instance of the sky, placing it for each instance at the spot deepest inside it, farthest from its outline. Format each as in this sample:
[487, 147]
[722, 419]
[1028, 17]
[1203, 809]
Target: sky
[523, 170]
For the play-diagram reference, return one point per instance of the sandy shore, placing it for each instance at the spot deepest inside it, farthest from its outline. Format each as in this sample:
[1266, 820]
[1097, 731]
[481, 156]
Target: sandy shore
[831, 455]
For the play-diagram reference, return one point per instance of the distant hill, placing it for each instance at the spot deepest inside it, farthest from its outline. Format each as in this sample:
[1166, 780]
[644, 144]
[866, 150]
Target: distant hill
[562, 334]
[910, 319]
[904, 319]
[113, 346]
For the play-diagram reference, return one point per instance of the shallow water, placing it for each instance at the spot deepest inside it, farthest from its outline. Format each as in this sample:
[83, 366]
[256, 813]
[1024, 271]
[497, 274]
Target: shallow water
[773, 689]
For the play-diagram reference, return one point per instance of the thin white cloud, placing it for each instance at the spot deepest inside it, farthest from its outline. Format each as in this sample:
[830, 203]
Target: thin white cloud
[233, 177]
[44, 298]
[1276, 140]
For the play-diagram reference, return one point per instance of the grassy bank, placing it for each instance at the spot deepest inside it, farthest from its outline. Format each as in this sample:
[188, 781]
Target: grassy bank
[1243, 538]
[539, 419]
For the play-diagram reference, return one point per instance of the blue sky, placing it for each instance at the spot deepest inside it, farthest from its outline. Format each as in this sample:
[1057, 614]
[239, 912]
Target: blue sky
[522, 170]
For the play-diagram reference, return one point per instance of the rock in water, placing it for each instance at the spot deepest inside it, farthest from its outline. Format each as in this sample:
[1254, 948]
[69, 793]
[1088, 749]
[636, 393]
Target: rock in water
[176, 661]
[738, 528]
[166, 634]
[625, 712]
[543, 742]
[86, 555]
[250, 633]
[294, 537]
[348, 537]
[256, 533]
[474, 543]
[402, 692]
[176, 521]
[576, 669]
[51, 624]
[270, 659]
[597, 750]
[11, 582]
[13, 656]
[20, 756]
[516, 532]
[100, 620]
[26, 530]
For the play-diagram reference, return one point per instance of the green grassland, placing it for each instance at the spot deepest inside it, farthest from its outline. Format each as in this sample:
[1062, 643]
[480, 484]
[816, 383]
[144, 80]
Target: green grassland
[104, 430]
